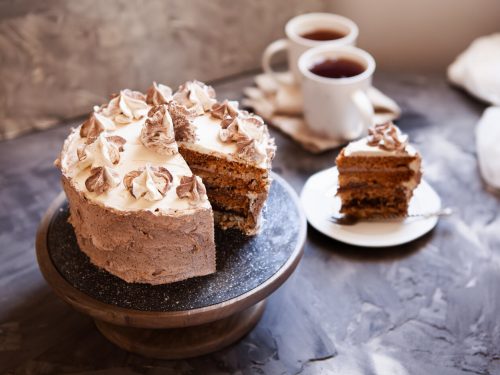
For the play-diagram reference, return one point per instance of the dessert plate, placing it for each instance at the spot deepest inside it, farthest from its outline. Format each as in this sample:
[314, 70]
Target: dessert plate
[320, 203]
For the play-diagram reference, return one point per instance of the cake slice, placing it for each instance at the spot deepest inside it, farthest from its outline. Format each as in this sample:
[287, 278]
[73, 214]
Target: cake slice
[378, 174]
[230, 149]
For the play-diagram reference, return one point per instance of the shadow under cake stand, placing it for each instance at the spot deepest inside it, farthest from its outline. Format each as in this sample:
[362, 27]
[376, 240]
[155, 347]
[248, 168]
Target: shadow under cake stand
[188, 318]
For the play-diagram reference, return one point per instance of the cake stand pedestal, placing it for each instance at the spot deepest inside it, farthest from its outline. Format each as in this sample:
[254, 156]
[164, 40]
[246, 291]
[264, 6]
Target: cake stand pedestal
[188, 318]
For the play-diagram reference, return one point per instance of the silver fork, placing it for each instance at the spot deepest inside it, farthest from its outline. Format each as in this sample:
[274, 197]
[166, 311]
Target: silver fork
[351, 219]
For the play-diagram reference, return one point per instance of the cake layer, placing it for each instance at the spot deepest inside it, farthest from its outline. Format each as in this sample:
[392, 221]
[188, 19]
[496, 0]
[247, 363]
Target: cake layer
[226, 172]
[382, 178]
[228, 181]
[373, 191]
[366, 163]
[380, 207]
[236, 191]
[224, 199]
[143, 247]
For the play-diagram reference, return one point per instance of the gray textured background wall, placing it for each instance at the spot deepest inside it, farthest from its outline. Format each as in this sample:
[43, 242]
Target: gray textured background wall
[58, 57]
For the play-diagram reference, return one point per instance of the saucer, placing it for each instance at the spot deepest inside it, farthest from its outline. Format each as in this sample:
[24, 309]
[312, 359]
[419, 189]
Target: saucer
[320, 203]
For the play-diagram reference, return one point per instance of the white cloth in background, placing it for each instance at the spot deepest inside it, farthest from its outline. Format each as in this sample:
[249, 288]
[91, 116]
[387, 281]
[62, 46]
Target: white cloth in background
[477, 69]
[488, 146]
[281, 106]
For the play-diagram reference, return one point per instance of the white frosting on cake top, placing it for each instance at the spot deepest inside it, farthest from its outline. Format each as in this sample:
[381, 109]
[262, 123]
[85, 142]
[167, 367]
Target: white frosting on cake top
[362, 148]
[133, 157]
[383, 140]
[117, 146]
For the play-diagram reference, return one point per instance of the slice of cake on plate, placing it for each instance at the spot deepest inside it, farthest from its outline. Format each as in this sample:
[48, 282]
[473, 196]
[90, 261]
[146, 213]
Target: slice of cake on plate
[138, 171]
[378, 174]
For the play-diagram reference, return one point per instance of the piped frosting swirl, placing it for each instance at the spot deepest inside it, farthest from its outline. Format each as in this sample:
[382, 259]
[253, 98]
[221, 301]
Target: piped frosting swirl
[182, 118]
[94, 126]
[248, 132]
[158, 131]
[191, 187]
[125, 107]
[196, 97]
[104, 151]
[225, 111]
[387, 137]
[102, 179]
[158, 94]
[152, 183]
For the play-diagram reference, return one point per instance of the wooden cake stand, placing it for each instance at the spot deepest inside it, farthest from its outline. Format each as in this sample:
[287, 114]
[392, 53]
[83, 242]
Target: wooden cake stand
[188, 318]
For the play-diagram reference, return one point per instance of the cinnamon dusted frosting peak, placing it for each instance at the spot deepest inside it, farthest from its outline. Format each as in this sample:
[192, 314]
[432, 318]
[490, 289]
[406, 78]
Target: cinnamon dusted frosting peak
[249, 134]
[191, 187]
[149, 182]
[196, 96]
[225, 111]
[158, 94]
[103, 151]
[94, 126]
[185, 130]
[387, 137]
[158, 131]
[125, 107]
[102, 179]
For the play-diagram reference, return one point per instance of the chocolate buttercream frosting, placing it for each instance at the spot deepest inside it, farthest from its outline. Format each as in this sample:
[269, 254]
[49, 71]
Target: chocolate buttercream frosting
[158, 94]
[196, 96]
[102, 151]
[387, 137]
[247, 132]
[224, 111]
[182, 119]
[101, 179]
[95, 125]
[232, 132]
[247, 148]
[158, 131]
[125, 107]
[192, 188]
[149, 182]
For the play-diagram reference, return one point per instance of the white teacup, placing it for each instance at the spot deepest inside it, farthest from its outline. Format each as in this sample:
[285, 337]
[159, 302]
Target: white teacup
[296, 43]
[337, 108]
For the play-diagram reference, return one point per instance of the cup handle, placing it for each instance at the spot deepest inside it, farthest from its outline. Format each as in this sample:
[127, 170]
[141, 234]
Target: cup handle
[365, 108]
[275, 47]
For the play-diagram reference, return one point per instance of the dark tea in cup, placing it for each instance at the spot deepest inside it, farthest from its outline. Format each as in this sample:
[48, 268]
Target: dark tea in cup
[337, 68]
[323, 34]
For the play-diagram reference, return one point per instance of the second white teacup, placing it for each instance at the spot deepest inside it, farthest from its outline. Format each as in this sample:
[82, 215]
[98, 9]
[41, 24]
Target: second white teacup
[334, 85]
[307, 31]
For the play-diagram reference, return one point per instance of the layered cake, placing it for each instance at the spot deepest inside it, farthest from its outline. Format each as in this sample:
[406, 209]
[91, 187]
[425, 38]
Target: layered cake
[378, 174]
[134, 173]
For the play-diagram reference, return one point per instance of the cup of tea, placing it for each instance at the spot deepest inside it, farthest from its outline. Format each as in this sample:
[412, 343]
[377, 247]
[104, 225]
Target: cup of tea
[334, 84]
[306, 31]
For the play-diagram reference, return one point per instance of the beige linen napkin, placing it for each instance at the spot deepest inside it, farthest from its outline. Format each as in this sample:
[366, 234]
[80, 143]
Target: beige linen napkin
[281, 106]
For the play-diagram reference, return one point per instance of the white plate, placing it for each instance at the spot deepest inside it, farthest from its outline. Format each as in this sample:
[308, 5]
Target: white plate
[320, 203]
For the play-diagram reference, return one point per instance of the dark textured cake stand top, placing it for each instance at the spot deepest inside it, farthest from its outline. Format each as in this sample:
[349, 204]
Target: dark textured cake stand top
[243, 263]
